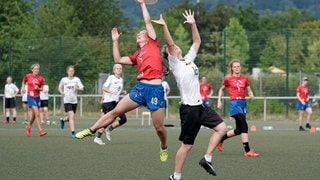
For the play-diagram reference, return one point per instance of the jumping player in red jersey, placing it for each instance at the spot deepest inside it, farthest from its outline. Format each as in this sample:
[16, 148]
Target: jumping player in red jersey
[205, 90]
[237, 86]
[303, 103]
[35, 83]
[148, 91]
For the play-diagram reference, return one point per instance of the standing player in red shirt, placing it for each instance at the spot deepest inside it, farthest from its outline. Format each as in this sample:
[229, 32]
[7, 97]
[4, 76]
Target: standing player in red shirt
[303, 103]
[35, 83]
[237, 85]
[148, 91]
[205, 91]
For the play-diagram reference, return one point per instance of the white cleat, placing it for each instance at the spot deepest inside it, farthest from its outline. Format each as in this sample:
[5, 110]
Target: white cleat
[98, 141]
[108, 134]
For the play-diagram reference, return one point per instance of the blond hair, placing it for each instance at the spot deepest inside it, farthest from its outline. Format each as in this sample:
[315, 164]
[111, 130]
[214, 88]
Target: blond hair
[231, 64]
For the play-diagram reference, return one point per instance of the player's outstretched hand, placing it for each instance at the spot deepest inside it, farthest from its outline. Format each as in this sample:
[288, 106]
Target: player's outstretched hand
[160, 21]
[189, 15]
[115, 34]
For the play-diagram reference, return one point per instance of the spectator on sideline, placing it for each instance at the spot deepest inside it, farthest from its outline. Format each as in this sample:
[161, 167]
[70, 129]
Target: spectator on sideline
[112, 89]
[206, 91]
[35, 82]
[192, 112]
[68, 88]
[44, 99]
[10, 93]
[303, 103]
[237, 85]
[148, 91]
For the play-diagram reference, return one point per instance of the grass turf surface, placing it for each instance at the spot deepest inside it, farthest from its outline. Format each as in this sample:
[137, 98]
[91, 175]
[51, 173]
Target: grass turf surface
[133, 154]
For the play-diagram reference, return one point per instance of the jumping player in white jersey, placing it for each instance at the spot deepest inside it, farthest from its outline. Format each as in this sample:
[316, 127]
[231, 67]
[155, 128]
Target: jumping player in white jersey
[68, 88]
[112, 89]
[193, 113]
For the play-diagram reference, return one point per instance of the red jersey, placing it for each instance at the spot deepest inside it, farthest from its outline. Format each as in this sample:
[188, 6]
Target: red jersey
[236, 86]
[205, 88]
[31, 81]
[303, 92]
[148, 59]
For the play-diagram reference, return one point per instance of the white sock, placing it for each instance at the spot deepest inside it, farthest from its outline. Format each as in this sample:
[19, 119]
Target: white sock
[208, 158]
[177, 175]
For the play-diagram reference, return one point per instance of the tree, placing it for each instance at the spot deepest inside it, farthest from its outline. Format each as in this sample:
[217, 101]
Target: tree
[237, 45]
[98, 17]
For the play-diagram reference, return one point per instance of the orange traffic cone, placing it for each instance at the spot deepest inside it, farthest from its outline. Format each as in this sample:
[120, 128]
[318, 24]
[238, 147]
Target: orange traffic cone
[312, 130]
[253, 128]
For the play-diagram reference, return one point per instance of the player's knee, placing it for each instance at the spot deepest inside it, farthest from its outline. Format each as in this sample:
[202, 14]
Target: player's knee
[237, 132]
[123, 120]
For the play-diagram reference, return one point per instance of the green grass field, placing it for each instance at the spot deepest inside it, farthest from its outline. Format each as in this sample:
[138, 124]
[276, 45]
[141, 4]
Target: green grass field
[133, 154]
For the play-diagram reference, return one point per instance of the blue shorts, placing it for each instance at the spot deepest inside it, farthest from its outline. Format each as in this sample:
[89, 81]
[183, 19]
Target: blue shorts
[237, 107]
[34, 101]
[205, 102]
[302, 107]
[148, 95]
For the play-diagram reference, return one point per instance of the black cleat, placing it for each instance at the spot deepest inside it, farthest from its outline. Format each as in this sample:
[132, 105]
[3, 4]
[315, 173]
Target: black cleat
[207, 166]
[301, 128]
[308, 126]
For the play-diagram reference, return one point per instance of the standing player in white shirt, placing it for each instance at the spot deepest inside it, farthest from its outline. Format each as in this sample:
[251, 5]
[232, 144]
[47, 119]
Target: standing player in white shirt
[193, 113]
[68, 88]
[44, 99]
[10, 92]
[112, 89]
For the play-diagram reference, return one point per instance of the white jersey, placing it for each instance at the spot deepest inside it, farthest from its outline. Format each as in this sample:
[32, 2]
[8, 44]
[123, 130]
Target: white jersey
[114, 84]
[44, 94]
[186, 74]
[10, 90]
[69, 89]
[166, 87]
[25, 94]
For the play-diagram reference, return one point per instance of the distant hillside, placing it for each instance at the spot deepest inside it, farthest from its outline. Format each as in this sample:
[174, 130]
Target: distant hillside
[132, 10]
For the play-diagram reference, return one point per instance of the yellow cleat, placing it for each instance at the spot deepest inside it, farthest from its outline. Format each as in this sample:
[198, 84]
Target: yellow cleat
[163, 154]
[84, 133]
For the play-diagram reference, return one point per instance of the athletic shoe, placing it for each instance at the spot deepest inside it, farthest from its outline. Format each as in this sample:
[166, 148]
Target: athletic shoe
[6, 122]
[73, 135]
[251, 153]
[61, 123]
[171, 177]
[163, 154]
[24, 122]
[13, 122]
[53, 123]
[108, 134]
[220, 147]
[301, 128]
[28, 130]
[84, 133]
[48, 122]
[42, 122]
[308, 126]
[207, 166]
[98, 141]
[42, 133]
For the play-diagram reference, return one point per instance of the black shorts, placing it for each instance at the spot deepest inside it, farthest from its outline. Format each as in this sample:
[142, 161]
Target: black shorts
[10, 103]
[192, 117]
[70, 107]
[108, 106]
[44, 103]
